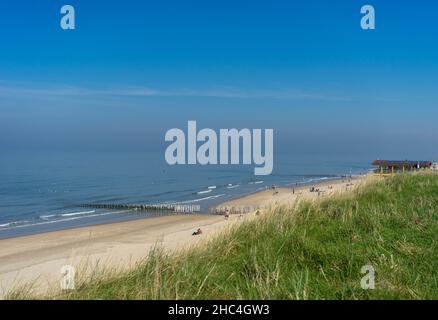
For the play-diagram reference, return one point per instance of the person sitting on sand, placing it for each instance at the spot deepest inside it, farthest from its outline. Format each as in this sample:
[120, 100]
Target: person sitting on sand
[197, 232]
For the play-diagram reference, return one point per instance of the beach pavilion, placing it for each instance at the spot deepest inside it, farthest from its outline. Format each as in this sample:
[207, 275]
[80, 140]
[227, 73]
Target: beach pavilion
[390, 167]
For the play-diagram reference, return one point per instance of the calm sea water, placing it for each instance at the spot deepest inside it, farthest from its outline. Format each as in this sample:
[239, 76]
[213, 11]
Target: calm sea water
[41, 191]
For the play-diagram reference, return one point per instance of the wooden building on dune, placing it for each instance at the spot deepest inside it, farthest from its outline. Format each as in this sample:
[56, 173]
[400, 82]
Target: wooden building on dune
[390, 167]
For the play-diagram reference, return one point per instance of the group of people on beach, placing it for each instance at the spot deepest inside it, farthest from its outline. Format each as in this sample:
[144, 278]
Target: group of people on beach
[275, 191]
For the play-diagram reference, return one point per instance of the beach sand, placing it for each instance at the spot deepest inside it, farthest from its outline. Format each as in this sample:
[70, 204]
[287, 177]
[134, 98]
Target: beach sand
[38, 259]
[288, 196]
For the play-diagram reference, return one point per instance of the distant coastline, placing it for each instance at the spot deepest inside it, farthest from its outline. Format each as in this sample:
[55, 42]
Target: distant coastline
[77, 217]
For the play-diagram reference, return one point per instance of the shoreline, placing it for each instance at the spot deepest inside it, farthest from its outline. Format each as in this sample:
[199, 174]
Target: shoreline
[38, 258]
[117, 216]
[287, 195]
[298, 187]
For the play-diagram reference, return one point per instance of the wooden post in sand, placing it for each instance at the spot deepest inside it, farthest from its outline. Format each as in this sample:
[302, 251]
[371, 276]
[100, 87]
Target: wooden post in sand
[147, 207]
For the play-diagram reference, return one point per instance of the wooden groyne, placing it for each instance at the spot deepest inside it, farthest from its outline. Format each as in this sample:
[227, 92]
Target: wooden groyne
[233, 209]
[175, 208]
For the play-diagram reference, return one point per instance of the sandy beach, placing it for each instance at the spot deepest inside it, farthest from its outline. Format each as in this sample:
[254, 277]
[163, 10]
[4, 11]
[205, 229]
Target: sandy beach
[288, 196]
[38, 259]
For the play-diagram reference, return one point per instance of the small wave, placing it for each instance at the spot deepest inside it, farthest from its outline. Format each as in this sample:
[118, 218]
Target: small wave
[14, 224]
[25, 223]
[230, 186]
[77, 213]
[212, 187]
[48, 216]
[317, 179]
[256, 182]
[170, 192]
[202, 199]
[205, 191]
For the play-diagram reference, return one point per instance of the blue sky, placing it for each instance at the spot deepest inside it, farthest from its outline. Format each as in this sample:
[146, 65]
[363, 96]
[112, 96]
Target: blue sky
[133, 69]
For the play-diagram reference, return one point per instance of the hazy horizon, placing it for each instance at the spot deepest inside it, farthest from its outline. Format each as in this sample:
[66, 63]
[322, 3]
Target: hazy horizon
[129, 73]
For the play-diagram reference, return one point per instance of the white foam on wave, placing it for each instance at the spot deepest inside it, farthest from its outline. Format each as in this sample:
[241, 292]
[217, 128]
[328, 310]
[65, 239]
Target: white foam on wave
[77, 213]
[21, 224]
[70, 214]
[205, 191]
[202, 199]
[256, 182]
[316, 179]
[47, 216]
[212, 187]
[13, 224]
[230, 186]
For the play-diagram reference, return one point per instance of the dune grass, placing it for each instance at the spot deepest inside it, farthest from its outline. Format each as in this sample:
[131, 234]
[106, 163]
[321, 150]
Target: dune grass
[311, 251]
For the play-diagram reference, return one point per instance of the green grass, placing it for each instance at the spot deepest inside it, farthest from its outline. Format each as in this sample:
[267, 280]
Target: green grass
[312, 251]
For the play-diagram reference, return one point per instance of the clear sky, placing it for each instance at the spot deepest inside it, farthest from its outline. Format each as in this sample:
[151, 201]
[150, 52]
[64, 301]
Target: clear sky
[133, 69]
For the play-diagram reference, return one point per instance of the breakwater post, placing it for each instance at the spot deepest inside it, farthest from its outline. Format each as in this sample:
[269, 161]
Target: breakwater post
[175, 208]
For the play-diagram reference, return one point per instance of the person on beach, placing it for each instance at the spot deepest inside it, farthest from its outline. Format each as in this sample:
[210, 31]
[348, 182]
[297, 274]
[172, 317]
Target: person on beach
[197, 232]
[227, 214]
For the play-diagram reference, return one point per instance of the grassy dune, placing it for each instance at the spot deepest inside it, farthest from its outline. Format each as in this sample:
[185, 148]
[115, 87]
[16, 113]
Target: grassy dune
[312, 251]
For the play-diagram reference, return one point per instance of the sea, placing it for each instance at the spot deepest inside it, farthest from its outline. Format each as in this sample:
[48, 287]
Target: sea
[46, 191]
